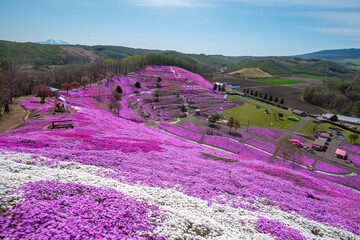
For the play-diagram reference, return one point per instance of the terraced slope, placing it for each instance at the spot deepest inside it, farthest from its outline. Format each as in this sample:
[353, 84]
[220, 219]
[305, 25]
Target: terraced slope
[109, 177]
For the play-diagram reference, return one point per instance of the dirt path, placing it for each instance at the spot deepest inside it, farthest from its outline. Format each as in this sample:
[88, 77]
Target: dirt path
[71, 110]
[15, 117]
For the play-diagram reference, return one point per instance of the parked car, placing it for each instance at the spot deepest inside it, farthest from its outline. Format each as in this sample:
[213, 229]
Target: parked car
[309, 149]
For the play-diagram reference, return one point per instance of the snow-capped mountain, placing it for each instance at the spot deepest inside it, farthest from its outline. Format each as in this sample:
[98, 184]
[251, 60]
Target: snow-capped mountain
[54, 42]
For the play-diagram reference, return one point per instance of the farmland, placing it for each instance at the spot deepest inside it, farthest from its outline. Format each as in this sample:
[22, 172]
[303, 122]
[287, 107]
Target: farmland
[315, 76]
[277, 81]
[291, 93]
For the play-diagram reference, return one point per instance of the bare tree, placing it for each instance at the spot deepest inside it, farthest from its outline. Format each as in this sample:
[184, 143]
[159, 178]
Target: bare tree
[75, 85]
[353, 137]
[230, 123]
[285, 149]
[275, 115]
[100, 89]
[85, 80]
[42, 91]
[66, 86]
[236, 124]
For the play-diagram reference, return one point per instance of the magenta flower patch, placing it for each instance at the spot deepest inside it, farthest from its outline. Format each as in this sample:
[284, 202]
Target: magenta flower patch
[278, 230]
[54, 210]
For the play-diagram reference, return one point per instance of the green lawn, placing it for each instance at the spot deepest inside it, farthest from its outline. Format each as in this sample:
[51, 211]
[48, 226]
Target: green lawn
[307, 129]
[258, 117]
[346, 134]
[259, 103]
[315, 77]
[276, 81]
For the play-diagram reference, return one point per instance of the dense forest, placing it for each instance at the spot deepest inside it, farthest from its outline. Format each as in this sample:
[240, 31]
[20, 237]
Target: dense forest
[16, 81]
[342, 97]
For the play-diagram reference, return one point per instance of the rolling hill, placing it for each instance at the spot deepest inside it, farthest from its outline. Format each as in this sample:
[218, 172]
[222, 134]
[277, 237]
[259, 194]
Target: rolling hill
[45, 54]
[349, 58]
[251, 73]
[120, 179]
[338, 54]
[290, 65]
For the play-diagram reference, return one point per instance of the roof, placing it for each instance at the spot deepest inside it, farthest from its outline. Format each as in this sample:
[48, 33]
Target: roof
[325, 135]
[319, 142]
[340, 152]
[343, 118]
[298, 111]
[54, 89]
[234, 85]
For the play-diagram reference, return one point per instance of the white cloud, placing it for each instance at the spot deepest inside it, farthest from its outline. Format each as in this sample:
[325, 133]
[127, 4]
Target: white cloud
[92, 38]
[340, 23]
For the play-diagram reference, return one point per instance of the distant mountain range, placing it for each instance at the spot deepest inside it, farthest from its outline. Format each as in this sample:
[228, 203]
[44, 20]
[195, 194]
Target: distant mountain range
[54, 42]
[337, 54]
[52, 52]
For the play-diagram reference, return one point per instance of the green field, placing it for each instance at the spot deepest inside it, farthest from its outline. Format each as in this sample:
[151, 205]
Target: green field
[315, 77]
[307, 129]
[277, 81]
[351, 63]
[257, 117]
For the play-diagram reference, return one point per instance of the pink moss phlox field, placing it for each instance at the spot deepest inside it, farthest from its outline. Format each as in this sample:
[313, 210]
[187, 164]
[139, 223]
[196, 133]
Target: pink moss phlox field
[55, 210]
[299, 138]
[269, 147]
[237, 136]
[193, 127]
[355, 159]
[323, 166]
[236, 147]
[349, 147]
[277, 230]
[180, 131]
[139, 155]
[271, 134]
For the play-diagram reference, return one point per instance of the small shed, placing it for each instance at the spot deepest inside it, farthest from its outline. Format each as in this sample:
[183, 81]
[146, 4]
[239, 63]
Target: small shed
[234, 85]
[318, 144]
[325, 135]
[55, 91]
[340, 154]
[299, 113]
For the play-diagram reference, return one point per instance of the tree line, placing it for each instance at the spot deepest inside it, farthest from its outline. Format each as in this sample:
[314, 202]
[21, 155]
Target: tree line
[16, 81]
[341, 97]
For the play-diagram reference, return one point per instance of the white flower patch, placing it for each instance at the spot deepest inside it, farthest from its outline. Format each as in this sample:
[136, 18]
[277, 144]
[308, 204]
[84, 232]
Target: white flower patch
[186, 217]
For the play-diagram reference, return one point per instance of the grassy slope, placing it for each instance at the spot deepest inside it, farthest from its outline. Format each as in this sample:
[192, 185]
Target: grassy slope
[351, 63]
[31, 53]
[287, 65]
[251, 73]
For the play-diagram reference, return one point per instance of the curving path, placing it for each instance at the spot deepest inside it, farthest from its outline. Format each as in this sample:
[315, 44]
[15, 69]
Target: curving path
[16, 116]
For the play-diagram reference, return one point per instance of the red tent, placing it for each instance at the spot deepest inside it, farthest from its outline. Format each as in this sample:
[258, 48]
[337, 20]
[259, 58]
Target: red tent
[297, 142]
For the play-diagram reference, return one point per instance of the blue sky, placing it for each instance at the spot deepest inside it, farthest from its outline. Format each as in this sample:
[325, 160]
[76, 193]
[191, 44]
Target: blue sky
[228, 27]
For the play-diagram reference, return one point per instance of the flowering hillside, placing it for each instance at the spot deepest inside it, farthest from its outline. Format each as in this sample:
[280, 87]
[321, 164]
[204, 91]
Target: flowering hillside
[109, 177]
